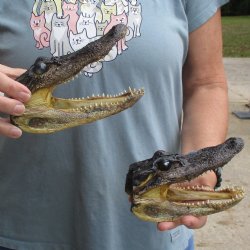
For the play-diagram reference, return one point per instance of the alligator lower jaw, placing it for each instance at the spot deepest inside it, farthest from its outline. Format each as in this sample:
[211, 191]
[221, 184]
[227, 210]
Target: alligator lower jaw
[47, 114]
[168, 203]
[202, 196]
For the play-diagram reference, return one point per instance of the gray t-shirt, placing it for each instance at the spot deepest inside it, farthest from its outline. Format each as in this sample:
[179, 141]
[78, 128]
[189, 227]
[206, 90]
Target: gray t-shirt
[65, 191]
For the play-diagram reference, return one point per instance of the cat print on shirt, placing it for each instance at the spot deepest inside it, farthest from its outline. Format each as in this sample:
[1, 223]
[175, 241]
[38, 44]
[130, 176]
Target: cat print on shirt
[100, 27]
[59, 43]
[134, 19]
[114, 20]
[49, 9]
[71, 9]
[79, 40]
[66, 26]
[38, 4]
[87, 23]
[107, 11]
[41, 33]
[89, 8]
[121, 5]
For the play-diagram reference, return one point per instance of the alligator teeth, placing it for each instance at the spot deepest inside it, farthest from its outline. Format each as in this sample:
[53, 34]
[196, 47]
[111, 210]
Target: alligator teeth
[111, 100]
[132, 92]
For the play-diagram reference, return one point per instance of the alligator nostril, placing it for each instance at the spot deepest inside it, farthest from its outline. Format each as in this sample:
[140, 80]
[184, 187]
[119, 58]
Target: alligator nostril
[235, 144]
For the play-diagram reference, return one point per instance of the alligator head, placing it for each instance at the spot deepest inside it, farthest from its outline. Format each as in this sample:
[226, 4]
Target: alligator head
[154, 184]
[46, 114]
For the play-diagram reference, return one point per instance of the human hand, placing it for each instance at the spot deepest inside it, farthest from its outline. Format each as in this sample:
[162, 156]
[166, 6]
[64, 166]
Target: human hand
[12, 103]
[191, 222]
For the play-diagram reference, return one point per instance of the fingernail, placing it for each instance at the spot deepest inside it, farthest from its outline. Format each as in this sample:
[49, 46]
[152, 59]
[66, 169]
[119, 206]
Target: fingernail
[15, 132]
[24, 96]
[19, 109]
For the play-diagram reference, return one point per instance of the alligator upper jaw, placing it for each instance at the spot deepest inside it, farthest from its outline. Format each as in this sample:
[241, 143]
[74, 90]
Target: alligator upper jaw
[203, 196]
[49, 72]
[47, 114]
[182, 167]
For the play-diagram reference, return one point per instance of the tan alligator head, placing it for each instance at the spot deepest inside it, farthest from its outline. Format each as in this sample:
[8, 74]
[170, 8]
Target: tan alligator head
[46, 114]
[156, 185]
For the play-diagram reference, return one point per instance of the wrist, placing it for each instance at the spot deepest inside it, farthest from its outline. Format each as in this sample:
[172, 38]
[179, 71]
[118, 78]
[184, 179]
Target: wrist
[218, 177]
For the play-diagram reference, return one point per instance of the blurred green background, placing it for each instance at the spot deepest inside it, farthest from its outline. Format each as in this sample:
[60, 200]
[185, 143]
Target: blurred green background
[236, 28]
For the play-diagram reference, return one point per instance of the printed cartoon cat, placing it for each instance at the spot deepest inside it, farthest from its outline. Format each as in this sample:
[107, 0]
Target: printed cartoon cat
[122, 5]
[79, 40]
[70, 9]
[135, 19]
[59, 41]
[100, 27]
[49, 9]
[88, 23]
[59, 10]
[117, 19]
[41, 33]
[107, 10]
[58, 4]
[90, 7]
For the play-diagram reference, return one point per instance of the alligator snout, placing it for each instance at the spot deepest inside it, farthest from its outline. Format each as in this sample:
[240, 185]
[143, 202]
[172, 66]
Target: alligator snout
[156, 186]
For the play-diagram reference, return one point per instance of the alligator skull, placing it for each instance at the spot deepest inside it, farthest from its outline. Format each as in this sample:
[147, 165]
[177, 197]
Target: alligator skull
[46, 114]
[155, 184]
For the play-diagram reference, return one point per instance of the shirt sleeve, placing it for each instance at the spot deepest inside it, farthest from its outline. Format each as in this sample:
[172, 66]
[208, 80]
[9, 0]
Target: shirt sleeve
[200, 11]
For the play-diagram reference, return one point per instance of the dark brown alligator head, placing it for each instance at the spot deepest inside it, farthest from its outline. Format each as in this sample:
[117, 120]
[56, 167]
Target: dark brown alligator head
[46, 114]
[157, 196]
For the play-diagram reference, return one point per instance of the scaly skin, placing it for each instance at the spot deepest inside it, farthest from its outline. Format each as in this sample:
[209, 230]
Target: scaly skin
[47, 114]
[157, 193]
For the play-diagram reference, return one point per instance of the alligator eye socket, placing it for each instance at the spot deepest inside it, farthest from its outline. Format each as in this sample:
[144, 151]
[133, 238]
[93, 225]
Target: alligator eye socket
[40, 68]
[158, 154]
[163, 164]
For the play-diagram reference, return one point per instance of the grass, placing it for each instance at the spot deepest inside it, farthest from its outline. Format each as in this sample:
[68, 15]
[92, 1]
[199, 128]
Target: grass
[236, 36]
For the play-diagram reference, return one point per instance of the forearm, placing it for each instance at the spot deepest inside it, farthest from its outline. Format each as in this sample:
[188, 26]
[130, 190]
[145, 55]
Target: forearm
[205, 119]
[205, 122]
[205, 106]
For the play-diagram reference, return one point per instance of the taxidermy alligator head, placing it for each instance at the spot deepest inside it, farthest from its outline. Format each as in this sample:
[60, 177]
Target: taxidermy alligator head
[46, 114]
[155, 184]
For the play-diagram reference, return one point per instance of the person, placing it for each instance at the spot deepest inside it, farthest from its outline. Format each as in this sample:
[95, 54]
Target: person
[65, 191]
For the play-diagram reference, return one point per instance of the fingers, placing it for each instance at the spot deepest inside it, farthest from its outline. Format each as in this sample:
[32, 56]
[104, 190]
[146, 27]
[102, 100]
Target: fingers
[8, 129]
[11, 72]
[14, 89]
[12, 106]
[193, 222]
[189, 221]
[164, 226]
